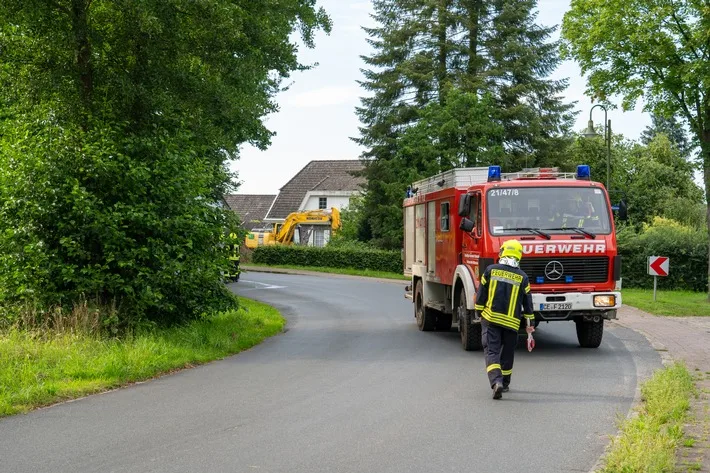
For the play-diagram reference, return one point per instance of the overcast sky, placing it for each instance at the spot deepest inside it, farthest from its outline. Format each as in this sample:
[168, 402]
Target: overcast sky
[317, 114]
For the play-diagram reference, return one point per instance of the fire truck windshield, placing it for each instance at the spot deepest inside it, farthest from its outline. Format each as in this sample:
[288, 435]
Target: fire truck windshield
[521, 210]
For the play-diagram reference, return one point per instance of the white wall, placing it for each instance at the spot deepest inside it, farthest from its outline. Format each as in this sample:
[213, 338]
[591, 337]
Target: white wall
[338, 201]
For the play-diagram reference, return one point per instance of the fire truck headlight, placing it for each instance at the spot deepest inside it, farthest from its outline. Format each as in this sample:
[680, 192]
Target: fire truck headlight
[605, 301]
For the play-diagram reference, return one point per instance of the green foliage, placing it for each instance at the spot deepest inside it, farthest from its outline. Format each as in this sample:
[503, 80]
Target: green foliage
[655, 179]
[346, 257]
[650, 49]
[39, 368]
[648, 441]
[118, 122]
[672, 129]
[352, 225]
[686, 247]
[454, 84]
[668, 303]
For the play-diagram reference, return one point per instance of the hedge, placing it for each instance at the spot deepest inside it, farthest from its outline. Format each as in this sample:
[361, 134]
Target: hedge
[686, 247]
[356, 258]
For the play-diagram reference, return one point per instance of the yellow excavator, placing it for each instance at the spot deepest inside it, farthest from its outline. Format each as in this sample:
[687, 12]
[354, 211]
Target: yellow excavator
[283, 233]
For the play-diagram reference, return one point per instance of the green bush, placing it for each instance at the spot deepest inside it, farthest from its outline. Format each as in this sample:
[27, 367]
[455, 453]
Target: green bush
[335, 257]
[686, 247]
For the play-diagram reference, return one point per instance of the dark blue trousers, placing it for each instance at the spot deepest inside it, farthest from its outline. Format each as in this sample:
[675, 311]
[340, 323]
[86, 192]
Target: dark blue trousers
[499, 351]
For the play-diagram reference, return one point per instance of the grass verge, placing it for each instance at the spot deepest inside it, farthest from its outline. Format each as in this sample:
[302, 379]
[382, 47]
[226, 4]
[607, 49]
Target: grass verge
[37, 370]
[670, 303]
[347, 271]
[648, 441]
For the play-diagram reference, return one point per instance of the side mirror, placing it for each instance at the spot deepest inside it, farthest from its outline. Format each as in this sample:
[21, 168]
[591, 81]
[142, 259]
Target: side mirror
[467, 225]
[464, 205]
[623, 211]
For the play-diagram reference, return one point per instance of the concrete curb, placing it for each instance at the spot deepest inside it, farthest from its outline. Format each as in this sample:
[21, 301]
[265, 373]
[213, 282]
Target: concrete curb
[304, 272]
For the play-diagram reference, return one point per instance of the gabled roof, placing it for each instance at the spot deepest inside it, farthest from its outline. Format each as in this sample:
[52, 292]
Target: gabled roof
[325, 176]
[251, 208]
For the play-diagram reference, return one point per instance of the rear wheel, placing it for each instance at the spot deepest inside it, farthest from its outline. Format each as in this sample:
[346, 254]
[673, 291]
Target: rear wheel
[590, 334]
[470, 332]
[426, 317]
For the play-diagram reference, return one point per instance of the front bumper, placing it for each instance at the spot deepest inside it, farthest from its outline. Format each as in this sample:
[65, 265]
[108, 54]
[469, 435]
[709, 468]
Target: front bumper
[565, 306]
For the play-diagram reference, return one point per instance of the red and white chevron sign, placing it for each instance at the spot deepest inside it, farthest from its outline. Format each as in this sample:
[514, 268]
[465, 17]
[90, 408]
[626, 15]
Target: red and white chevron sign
[658, 265]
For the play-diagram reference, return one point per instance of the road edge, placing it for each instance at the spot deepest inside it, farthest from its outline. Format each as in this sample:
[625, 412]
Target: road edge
[305, 272]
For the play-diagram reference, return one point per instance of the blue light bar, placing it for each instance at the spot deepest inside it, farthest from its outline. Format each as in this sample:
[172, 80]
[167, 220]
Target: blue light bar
[493, 173]
[569, 279]
[540, 280]
[584, 172]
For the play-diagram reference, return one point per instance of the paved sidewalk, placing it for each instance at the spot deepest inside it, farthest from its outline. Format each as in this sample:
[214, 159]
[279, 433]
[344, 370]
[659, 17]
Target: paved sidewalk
[686, 339]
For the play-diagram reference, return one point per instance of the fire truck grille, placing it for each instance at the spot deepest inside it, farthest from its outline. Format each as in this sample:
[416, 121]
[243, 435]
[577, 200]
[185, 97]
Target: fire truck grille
[566, 270]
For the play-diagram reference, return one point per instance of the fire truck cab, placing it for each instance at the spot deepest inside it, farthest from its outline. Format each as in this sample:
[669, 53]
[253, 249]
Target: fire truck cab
[456, 221]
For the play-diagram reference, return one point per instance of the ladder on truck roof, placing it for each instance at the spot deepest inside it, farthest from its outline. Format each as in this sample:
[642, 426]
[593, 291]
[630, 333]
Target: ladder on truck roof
[457, 177]
[466, 177]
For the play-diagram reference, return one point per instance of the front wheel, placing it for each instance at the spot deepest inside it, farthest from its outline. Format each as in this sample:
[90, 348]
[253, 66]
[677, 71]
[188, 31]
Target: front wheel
[590, 334]
[471, 333]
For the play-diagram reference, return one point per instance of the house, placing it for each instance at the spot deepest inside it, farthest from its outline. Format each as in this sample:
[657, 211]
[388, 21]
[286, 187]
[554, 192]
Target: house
[251, 208]
[321, 184]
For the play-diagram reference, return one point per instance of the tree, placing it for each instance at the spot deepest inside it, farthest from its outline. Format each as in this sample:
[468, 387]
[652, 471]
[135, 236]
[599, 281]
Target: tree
[671, 128]
[455, 83]
[651, 49]
[118, 120]
[655, 178]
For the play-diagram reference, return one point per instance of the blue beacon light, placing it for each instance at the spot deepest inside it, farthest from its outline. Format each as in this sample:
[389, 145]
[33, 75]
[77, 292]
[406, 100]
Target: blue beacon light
[493, 173]
[583, 172]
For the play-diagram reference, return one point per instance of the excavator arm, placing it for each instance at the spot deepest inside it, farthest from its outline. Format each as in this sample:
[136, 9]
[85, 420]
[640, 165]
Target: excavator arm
[285, 233]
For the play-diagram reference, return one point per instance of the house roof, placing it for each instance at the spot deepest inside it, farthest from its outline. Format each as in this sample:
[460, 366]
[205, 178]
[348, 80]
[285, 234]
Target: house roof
[251, 208]
[325, 176]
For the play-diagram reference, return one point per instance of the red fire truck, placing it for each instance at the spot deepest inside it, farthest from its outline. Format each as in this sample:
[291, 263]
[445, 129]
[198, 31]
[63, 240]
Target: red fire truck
[456, 221]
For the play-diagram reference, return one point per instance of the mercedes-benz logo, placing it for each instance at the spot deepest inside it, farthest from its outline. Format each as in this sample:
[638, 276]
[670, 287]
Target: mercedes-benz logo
[554, 270]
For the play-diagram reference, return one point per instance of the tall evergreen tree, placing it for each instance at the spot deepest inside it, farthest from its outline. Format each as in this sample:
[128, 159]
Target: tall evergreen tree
[454, 83]
[672, 129]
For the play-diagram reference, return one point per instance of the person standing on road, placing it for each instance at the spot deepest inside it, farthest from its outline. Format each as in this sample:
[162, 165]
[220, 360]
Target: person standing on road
[502, 301]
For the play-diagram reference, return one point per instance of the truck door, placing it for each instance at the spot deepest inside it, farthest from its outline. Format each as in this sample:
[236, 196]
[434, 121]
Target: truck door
[472, 243]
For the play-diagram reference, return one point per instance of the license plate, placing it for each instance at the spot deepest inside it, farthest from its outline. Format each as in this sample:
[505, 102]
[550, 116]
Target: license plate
[556, 306]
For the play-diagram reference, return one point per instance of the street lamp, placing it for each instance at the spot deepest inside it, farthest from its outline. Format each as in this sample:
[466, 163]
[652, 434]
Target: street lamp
[590, 132]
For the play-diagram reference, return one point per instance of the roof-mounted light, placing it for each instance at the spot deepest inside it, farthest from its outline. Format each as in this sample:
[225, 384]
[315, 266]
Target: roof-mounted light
[583, 172]
[493, 173]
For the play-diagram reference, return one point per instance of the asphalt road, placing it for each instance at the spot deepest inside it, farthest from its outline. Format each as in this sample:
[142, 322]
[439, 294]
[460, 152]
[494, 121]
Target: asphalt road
[352, 386]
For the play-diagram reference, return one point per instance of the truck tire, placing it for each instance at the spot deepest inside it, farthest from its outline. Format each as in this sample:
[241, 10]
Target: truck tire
[470, 333]
[443, 321]
[426, 317]
[590, 334]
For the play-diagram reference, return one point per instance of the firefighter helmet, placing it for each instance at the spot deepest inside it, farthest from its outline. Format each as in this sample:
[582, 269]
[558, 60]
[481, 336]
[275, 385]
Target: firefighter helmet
[511, 249]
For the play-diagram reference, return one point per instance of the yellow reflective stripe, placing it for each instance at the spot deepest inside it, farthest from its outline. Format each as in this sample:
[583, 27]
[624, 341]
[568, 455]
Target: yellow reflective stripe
[513, 301]
[483, 280]
[527, 289]
[491, 293]
[494, 366]
[501, 319]
[478, 307]
[529, 316]
[506, 372]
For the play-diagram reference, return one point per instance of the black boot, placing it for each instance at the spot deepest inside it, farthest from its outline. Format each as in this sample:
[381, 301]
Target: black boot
[497, 391]
[506, 389]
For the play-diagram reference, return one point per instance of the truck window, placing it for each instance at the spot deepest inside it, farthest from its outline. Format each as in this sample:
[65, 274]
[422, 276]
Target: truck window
[553, 209]
[444, 215]
[475, 214]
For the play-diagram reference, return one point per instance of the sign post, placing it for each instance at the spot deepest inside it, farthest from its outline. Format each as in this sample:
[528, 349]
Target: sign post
[658, 266]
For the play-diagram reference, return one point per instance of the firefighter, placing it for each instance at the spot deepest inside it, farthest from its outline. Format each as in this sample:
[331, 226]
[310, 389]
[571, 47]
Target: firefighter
[234, 257]
[502, 301]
